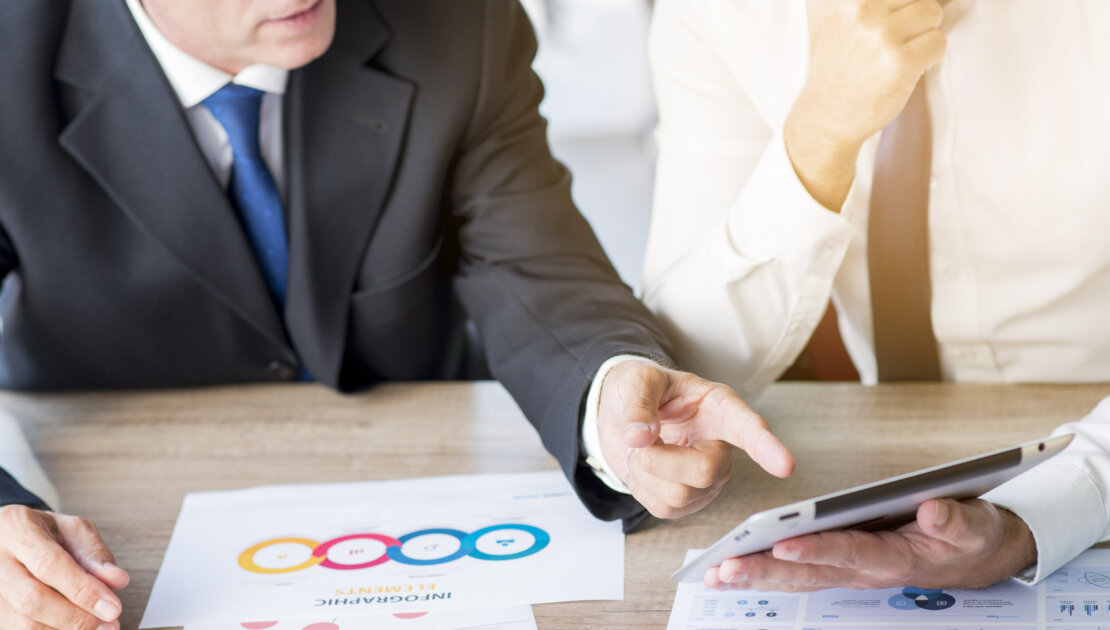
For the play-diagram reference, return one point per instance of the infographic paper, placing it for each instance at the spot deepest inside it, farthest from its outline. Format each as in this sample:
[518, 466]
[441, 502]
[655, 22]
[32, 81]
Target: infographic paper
[406, 546]
[511, 618]
[1077, 597]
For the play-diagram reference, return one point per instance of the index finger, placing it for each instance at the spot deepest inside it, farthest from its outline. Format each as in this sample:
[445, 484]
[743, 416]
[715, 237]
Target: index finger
[52, 565]
[741, 426]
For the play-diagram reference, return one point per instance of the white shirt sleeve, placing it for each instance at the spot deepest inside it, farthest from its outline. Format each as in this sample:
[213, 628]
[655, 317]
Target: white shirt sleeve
[17, 458]
[1064, 500]
[740, 258]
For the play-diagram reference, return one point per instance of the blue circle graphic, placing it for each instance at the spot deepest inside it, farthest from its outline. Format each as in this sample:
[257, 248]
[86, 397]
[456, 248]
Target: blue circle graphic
[901, 602]
[396, 553]
[541, 539]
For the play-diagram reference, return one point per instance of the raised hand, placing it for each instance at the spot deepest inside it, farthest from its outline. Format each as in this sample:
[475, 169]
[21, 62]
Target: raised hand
[866, 57]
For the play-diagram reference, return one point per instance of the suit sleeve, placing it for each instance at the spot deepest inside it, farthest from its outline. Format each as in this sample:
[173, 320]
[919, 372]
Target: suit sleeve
[549, 307]
[11, 491]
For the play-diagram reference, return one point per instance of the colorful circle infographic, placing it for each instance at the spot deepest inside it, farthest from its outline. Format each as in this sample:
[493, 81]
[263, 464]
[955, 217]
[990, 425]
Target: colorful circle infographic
[322, 551]
[921, 599]
[423, 547]
[397, 552]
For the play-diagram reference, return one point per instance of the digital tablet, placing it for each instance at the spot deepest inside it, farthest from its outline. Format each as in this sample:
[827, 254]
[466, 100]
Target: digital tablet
[877, 505]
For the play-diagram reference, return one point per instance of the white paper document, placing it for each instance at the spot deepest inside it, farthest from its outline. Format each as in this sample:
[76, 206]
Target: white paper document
[406, 546]
[1077, 597]
[511, 618]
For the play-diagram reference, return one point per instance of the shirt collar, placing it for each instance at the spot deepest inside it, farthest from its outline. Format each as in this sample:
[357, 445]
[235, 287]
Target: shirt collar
[194, 80]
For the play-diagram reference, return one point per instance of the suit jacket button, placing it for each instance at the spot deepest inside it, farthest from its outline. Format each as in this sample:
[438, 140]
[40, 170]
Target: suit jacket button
[280, 370]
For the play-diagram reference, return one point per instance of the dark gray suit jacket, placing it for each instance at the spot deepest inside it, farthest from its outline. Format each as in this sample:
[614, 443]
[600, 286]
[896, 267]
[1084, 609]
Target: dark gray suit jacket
[418, 178]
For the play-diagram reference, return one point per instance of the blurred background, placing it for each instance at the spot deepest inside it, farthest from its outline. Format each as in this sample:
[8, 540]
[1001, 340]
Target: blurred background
[593, 59]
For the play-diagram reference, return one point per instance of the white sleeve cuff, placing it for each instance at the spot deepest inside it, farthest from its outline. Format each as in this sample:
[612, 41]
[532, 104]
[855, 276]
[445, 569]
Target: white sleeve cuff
[776, 217]
[16, 458]
[1063, 501]
[1064, 523]
[591, 435]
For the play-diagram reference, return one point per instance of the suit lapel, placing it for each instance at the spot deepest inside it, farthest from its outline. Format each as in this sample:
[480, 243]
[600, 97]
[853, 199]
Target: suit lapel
[133, 139]
[345, 125]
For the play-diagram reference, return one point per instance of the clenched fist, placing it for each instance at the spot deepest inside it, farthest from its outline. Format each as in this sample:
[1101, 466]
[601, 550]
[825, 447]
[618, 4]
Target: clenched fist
[866, 57]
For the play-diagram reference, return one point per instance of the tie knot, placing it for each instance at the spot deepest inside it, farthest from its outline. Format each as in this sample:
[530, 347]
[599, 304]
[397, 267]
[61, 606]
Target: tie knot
[237, 108]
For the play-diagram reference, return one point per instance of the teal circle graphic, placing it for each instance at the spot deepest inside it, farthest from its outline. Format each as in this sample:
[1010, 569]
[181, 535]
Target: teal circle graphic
[541, 538]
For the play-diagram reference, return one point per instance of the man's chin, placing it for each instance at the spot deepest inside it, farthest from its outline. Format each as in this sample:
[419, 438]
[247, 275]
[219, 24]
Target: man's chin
[298, 40]
[291, 55]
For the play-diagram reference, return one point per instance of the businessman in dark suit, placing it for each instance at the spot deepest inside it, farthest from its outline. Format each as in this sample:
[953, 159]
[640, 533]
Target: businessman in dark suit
[196, 192]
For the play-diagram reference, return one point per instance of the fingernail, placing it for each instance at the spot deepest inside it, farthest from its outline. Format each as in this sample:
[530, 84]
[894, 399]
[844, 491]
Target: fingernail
[107, 626]
[108, 565]
[789, 554]
[106, 609]
[942, 514]
[636, 427]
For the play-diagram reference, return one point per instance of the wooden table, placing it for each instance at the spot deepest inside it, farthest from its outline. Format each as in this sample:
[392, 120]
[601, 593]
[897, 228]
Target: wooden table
[126, 460]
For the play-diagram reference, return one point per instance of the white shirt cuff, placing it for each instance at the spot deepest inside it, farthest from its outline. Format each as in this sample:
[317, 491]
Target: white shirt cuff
[1064, 523]
[775, 217]
[591, 435]
[1064, 500]
[17, 458]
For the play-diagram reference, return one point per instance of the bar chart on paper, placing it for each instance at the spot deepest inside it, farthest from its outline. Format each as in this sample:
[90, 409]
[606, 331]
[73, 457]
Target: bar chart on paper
[1079, 597]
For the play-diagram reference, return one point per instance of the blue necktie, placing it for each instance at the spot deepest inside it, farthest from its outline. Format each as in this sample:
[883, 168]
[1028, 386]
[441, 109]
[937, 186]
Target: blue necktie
[252, 190]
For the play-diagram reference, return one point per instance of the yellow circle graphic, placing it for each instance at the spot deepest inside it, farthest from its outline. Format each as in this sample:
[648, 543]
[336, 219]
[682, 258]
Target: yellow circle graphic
[246, 559]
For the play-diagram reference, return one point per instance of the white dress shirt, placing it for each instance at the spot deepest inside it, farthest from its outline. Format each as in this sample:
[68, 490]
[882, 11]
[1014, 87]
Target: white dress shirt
[194, 80]
[741, 261]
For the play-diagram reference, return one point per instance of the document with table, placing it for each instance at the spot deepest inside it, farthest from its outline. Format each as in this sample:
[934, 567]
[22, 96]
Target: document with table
[401, 548]
[1077, 597]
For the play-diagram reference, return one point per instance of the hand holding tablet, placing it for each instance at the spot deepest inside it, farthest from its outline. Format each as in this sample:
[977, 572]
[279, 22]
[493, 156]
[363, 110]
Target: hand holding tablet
[877, 505]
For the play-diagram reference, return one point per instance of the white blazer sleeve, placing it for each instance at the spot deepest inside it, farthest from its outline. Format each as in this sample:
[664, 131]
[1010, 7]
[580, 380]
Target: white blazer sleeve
[1064, 500]
[740, 259]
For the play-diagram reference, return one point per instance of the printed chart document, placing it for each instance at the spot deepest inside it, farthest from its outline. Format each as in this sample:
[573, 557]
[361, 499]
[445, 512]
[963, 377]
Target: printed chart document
[406, 546]
[511, 618]
[1077, 597]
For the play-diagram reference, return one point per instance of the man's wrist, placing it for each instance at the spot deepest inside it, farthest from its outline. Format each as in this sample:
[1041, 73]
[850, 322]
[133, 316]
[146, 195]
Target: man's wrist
[591, 429]
[826, 166]
[1018, 540]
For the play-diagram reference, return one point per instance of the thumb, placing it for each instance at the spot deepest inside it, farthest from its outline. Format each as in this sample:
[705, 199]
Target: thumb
[630, 398]
[82, 539]
[954, 522]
